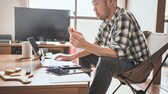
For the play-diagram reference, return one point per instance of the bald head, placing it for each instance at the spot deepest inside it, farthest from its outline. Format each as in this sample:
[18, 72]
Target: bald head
[103, 0]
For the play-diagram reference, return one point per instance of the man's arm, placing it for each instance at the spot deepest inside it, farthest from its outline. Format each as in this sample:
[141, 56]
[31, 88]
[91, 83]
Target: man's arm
[100, 51]
[94, 48]
[77, 40]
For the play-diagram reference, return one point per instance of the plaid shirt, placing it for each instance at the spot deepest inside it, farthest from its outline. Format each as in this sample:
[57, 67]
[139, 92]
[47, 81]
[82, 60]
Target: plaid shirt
[122, 34]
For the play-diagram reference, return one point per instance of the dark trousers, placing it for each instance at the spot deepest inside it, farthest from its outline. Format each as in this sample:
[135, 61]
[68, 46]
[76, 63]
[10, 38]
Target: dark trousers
[106, 68]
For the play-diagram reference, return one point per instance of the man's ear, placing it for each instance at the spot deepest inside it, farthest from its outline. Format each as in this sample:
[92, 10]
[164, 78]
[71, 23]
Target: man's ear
[111, 2]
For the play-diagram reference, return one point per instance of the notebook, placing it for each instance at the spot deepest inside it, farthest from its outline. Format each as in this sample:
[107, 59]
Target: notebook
[48, 61]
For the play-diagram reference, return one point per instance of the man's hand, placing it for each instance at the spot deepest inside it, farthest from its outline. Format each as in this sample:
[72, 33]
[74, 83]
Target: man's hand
[76, 38]
[65, 57]
[70, 30]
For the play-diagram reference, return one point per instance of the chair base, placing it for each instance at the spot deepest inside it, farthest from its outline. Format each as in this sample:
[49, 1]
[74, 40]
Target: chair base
[140, 92]
[133, 89]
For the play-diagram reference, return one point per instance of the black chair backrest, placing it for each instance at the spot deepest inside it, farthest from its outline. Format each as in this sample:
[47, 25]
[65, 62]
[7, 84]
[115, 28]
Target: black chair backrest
[140, 73]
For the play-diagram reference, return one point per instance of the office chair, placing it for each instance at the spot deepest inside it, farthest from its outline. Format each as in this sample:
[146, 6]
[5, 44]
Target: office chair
[140, 73]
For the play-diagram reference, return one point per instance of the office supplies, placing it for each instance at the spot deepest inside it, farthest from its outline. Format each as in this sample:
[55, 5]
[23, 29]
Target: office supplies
[28, 72]
[57, 71]
[82, 77]
[16, 76]
[26, 50]
[11, 71]
[48, 62]
[71, 67]
[60, 71]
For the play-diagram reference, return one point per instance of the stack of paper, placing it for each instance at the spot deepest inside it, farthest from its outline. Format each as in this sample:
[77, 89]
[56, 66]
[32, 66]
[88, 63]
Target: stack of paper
[83, 77]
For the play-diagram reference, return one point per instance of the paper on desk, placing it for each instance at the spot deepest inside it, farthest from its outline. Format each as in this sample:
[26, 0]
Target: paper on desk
[83, 77]
[52, 56]
[52, 63]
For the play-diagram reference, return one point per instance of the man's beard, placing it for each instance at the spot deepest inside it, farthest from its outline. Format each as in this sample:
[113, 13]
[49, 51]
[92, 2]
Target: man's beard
[106, 13]
[105, 16]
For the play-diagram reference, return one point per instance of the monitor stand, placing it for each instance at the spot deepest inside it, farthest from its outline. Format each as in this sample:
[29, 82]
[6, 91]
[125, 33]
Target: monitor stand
[62, 42]
[51, 42]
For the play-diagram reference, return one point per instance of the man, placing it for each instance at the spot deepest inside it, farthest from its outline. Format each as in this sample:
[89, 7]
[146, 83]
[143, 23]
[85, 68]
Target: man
[119, 46]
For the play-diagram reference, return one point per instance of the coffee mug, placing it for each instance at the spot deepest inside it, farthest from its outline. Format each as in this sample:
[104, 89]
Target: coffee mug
[26, 50]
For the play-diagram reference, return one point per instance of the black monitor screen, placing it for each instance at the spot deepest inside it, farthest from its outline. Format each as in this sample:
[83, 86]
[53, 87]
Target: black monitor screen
[42, 24]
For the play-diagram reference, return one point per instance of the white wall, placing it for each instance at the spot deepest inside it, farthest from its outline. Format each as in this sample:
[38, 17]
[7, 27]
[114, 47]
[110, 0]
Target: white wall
[145, 11]
[121, 3]
[7, 15]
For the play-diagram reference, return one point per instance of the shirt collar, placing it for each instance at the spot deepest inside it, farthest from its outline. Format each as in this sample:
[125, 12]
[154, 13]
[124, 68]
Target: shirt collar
[114, 17]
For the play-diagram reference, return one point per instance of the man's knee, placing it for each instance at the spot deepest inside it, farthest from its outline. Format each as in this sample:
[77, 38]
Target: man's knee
[88, 60]
[83, 61]
[108, 64]
[107, 60]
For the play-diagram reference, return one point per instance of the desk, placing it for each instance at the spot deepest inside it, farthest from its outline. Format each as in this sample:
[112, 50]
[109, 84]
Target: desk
[13, 47]
[40, 83]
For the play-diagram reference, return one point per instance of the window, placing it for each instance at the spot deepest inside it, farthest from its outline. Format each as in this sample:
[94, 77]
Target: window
[166, 18]
[166, 12]
[53, 4]
[84, 7]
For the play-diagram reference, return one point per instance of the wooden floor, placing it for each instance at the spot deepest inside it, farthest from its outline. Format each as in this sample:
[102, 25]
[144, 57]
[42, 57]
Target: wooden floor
[154, 89]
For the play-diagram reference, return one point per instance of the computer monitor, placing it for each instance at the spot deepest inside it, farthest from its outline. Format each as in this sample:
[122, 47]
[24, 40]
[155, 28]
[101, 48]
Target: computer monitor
[42, 24]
